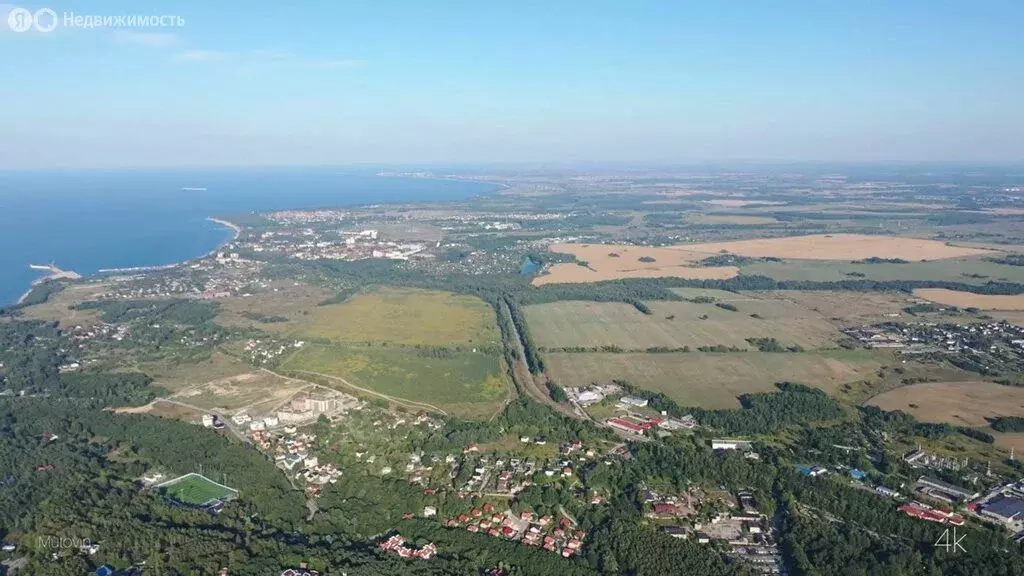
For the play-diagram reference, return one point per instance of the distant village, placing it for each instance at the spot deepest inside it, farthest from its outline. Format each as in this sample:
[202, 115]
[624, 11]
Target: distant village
[987, 348]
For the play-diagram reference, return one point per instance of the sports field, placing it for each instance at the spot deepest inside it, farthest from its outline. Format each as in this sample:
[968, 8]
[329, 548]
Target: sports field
[195, 490]
[961, 403]
[466, 383]
[714, 380]
[678, 324]
[404, 316]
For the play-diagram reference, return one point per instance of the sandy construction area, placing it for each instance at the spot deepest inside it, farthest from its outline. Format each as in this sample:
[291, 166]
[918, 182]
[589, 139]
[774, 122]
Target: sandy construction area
[839, 247]
[961, 403]
[970, 300]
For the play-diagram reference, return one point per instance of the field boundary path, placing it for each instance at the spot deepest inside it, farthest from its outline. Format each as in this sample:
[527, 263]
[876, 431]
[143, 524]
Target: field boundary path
[522, 377]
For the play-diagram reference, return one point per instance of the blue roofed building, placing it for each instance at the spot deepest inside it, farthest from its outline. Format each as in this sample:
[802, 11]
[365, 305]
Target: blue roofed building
[857, 474]
[1007, 509]
[812, 472]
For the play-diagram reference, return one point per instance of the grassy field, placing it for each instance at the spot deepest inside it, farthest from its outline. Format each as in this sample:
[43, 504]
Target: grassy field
[465, 383]
[714, 380]
[961, 403]
[196, 490]
[177, 377]
[846, 309]
[678, 324]
[404, 316]
[58, 307]
[290, 303]
[974, 270]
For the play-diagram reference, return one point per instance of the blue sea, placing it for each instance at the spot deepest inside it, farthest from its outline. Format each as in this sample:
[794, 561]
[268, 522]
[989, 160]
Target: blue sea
[87, 221]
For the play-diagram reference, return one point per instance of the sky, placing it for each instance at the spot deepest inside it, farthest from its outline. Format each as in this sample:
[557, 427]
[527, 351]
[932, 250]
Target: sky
[558, 81]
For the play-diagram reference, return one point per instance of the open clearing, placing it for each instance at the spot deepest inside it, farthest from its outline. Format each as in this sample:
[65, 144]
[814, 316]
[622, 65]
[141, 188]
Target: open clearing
[404, 316]
[594, 324]
[961, 403]
[714, 380]
[838, 247]
[463, 383]
[970, 300]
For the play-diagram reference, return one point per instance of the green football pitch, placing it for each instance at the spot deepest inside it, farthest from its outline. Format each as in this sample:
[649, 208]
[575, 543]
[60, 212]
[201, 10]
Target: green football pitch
[195, 490]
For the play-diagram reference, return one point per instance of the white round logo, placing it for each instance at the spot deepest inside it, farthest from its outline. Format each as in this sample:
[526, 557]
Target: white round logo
[20, 20]
[45, 20]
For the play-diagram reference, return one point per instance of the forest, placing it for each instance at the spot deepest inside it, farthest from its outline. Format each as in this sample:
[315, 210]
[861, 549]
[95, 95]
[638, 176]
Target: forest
[761, 413]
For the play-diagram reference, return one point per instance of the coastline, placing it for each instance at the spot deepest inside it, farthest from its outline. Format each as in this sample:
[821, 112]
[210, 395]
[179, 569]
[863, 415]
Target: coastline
[315, 189]
[55, 273]
[236, 232]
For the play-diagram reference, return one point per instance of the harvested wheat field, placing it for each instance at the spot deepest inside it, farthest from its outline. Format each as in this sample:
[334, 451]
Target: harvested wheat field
[838, 247]
[737, 203]
[570, 273]
[615, 261]
[971, 300]
[707, 219]
[961, 403]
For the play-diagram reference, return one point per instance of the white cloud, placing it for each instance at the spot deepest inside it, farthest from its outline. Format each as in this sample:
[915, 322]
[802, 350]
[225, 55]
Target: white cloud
[145, 38]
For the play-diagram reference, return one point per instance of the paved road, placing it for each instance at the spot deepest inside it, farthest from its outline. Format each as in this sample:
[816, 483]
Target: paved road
[223, 418]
